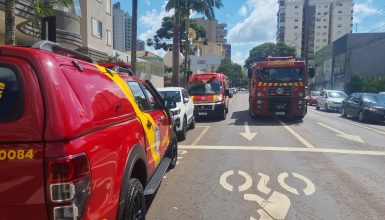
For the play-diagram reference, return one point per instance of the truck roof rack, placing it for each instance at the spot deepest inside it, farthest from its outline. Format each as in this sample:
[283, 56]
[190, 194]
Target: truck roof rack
[59, 49]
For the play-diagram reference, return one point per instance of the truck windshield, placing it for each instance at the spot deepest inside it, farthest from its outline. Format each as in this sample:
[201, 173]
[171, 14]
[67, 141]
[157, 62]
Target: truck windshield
[205, 88]
[280, 75]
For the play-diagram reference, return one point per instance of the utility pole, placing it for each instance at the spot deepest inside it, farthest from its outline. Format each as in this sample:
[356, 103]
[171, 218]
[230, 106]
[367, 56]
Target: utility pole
[175, 46]
[306, 34]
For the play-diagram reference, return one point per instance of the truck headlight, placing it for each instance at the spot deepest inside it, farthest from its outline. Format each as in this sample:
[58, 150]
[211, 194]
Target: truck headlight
[259, 102]
[219, 98]
[300, 102]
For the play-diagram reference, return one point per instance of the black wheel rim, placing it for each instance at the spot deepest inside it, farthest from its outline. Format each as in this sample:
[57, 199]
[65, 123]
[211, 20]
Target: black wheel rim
[174, 152]
[137, 211]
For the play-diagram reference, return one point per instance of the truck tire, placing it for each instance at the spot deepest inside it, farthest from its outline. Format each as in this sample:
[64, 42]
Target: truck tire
[343, 112]
[183, 133]
[135, 207]
[326, 108]
[317, 106]
[223, 115]
[173, 152]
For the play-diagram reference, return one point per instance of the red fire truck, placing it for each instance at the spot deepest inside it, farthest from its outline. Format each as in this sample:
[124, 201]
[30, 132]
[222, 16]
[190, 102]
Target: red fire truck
[277, 87]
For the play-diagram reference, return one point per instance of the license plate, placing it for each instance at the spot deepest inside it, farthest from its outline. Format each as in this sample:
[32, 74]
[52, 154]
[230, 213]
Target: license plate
[202, 113]
[280, 113]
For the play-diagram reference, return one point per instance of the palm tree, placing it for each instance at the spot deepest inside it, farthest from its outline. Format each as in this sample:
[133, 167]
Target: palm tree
[10, 22]
[205, 7]
[134, 34]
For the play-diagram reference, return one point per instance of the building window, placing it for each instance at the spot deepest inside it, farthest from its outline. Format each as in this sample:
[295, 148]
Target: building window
[339, 11]
[296, 20]
[109, 38]
[326, 6]
[108, 6]
[339, 18]
[325, 13]
[296, 6]
[340, 25]
[319, 27]
[340, 4]
[100, 1]
[295, 27]
[324, 40]
[324, 33]
[282, 3]
[325, 26]
[96, 28]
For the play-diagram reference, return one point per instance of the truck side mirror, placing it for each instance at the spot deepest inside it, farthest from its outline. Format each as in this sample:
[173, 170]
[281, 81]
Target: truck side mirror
[311, 72]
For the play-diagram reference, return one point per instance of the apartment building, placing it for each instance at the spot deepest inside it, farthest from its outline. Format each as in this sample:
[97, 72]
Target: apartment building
[96, 28]
[122, 22]
[328, 20]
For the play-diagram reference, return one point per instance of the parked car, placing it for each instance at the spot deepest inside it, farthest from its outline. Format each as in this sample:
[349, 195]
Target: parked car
[382, 93]
[364, 106]
[77, 140]
[312, 97]
[330, 100]
[183, 113]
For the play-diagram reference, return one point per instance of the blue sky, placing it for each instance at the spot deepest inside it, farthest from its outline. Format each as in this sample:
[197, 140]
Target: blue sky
[249, 22]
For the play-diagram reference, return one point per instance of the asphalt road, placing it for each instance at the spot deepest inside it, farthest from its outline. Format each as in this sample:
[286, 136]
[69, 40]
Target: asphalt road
[325, 167]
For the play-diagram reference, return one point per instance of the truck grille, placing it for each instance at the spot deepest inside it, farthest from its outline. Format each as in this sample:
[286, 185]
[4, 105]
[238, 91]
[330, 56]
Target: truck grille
[279, 105]
[280, 91]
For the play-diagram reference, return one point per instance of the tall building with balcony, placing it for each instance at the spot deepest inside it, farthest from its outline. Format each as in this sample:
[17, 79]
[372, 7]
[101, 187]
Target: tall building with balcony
[122, 22]
[85, 26]
[327, 20]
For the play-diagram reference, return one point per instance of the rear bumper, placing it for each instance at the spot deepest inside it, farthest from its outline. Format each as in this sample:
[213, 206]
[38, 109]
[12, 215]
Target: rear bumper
[375, 116]
[279, 107]
[208, 109]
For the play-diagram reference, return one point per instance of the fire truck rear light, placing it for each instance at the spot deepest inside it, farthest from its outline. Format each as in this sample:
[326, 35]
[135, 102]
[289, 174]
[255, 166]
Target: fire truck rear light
[65, 213]
[259, 102]
[300, 94]
[68, 168]
[259, 94]
[300, 102]
[62, 192]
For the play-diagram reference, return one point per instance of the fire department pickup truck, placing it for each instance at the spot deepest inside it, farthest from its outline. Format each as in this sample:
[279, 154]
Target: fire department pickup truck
[77, 140]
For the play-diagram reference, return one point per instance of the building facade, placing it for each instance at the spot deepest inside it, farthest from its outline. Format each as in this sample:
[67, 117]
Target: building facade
[140, 45]
[328, 20]
[122, 22]
[208, 63]
[359, 54]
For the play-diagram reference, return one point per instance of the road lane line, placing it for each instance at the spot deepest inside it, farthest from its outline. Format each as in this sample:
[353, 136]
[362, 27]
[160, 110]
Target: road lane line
[349, 122]
[284, 149]
[296, 135]
[201, 135]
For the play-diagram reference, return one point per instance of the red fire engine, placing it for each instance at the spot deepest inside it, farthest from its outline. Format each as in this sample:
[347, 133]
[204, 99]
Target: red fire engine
[277, 87]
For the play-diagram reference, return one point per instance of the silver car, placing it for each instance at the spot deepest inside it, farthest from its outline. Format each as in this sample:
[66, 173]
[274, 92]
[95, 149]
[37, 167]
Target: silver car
[330, 100]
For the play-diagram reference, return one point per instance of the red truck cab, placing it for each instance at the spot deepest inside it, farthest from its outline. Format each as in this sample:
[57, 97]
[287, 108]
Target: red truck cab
[210, 94]
[77, 140]
[277, 87]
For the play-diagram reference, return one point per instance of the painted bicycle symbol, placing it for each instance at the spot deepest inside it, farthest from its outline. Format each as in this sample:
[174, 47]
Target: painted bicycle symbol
[277, 204]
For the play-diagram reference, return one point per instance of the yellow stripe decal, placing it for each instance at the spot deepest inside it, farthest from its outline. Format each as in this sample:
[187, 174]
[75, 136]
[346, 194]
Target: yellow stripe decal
[143, 117]
[2, 88]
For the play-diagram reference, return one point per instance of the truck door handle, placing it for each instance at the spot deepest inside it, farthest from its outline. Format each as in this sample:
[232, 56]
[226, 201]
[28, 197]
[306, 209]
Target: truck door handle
[149, 124]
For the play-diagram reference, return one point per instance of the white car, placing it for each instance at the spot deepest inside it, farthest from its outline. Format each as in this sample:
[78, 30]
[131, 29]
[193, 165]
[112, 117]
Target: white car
[183, 114]
[330, 100]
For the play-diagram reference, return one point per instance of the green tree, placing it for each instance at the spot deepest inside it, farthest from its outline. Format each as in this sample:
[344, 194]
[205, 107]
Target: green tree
[355, 85]
[163, 36]
[260, 52]
[233, 71]
[183, 8]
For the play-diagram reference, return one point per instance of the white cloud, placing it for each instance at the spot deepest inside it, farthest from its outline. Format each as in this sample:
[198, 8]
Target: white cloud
[239, 57]
[259, 26]
[147, 2]
[364, 10]
[152, 21]
[242, 11]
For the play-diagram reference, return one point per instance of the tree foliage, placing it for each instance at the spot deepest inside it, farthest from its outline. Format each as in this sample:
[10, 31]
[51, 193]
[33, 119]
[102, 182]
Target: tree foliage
[365, 84]
[163, 37]
[260, 52]
[237, 76]
[205, 7]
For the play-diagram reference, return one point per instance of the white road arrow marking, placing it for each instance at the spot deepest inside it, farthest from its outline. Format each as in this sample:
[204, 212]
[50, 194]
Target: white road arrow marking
[247, 134]
[355, 138]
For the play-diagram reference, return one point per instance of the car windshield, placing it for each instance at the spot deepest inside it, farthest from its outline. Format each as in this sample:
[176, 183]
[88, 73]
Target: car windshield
[280, 75]
[174, 95]
[315, 93]
[337, 95]
[205, 88]
[374, 98]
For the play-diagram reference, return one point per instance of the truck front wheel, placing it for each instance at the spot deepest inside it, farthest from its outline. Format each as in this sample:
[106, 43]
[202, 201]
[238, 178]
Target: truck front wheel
[135, 208]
